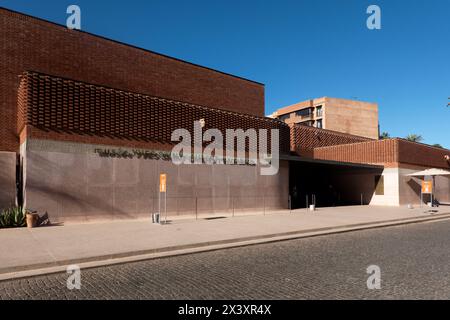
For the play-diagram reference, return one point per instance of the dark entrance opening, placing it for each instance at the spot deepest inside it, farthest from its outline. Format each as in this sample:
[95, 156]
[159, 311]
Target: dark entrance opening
[331, 183]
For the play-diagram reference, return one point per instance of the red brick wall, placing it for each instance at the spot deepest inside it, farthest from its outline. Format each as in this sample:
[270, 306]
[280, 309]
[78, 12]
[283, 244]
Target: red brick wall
[30, 44]
[372, 152]
[64, 109]
[389, 152]
[421, 154]
[304, 139]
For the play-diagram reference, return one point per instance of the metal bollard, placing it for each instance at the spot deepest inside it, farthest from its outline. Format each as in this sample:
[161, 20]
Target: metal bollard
[196, 208]
[156, 217]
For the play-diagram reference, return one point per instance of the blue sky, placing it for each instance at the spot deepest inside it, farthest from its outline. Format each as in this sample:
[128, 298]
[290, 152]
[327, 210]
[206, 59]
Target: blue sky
[298, 49]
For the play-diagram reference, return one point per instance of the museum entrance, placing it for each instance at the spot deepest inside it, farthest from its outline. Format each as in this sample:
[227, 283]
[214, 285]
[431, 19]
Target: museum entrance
[330, 183]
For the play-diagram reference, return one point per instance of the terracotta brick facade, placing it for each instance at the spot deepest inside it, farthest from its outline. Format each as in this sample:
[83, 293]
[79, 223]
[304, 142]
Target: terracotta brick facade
[31, 44]
[63, 109]
[422, 154]
[350, 116]
[342, 115]
[390, 153]
[305, 139]
[68, 93]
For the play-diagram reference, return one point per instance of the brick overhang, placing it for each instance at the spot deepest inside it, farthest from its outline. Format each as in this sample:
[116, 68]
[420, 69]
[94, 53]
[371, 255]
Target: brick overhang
[304, 139]
[51, 107]
[395, 152]
[295, 158]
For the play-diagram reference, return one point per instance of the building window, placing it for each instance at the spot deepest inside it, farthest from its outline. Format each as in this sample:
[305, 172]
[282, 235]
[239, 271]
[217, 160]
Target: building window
[379, 185]
[284, 117]
[319, 124]
[304, 112]
[319, 111]
[308, 123]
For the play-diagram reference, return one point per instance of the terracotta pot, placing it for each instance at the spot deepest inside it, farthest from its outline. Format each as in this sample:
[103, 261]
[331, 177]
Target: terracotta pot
[32, 219]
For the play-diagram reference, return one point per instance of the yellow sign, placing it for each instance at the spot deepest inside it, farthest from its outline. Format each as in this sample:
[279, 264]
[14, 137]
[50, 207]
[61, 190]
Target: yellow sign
[162, 182]
[427, 187]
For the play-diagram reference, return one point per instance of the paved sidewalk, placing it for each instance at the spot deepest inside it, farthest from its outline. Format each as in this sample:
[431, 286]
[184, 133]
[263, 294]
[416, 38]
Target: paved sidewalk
[50, 249]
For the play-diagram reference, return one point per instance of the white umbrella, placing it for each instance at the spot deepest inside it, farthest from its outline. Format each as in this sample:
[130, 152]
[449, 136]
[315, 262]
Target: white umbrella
[430, 172]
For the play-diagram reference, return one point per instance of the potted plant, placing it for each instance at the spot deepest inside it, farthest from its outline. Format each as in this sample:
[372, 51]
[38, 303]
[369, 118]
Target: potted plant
[32, 219]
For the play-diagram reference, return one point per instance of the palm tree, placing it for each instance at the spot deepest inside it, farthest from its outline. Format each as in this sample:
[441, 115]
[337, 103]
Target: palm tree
[385, 135]
[414, 137]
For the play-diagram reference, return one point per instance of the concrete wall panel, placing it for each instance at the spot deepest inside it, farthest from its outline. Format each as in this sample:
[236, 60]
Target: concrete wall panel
[410, 188]
[391, 195]
[7, 179]
[82, 186]
[99, 171]
[443, 189]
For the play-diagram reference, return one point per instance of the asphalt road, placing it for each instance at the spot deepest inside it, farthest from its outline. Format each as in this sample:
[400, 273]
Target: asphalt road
[414, 261]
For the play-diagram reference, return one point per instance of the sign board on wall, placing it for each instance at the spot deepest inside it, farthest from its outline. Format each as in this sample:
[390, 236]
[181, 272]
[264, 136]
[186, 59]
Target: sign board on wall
[427, 187]
[162, 182]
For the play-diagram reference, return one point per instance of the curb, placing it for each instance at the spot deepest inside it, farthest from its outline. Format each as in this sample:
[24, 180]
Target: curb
[134, 256]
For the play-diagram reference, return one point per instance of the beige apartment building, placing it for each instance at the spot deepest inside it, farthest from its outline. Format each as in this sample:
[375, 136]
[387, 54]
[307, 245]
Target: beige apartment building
[342, 115]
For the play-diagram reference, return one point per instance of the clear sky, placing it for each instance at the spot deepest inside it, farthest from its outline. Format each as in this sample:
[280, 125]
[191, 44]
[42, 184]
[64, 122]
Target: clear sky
[299, 49]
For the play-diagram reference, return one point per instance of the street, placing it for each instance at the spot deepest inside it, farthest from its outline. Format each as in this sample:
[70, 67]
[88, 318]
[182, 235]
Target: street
[414, 261]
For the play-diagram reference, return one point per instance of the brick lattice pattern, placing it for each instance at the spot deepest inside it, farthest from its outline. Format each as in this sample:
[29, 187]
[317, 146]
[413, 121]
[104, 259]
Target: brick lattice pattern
[61, 105]
[389, 152]
[304, 139]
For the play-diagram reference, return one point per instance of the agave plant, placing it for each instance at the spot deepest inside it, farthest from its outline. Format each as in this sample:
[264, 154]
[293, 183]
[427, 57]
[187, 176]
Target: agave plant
[13, 217]
[19, 217]
[5, 219]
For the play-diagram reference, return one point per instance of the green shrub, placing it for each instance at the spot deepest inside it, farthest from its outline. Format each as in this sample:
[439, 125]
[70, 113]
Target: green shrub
[13, 217]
